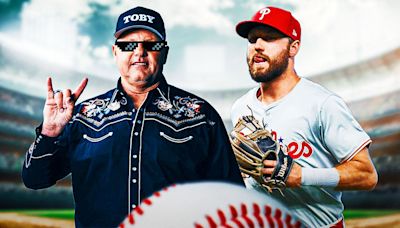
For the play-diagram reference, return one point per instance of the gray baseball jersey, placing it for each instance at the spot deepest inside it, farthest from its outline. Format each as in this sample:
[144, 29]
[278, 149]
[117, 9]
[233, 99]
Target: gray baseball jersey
[319, 131]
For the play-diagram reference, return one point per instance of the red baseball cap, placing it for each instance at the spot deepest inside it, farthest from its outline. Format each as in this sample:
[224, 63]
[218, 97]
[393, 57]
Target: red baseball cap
[277, 18]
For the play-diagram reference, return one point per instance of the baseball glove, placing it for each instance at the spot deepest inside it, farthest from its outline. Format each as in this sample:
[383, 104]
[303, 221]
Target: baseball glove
[252, 145]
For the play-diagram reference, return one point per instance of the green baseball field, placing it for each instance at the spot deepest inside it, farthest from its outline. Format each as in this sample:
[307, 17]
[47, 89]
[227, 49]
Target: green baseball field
[69, 214]
[64, 218]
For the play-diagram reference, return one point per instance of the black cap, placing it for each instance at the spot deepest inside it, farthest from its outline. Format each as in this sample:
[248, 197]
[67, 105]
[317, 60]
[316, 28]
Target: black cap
[140, 18]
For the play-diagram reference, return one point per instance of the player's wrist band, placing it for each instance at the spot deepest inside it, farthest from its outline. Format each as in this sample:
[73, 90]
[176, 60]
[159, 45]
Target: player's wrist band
[322, 177]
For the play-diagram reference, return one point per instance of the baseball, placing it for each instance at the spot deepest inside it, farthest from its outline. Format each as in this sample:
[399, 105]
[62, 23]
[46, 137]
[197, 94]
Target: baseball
[209, 204]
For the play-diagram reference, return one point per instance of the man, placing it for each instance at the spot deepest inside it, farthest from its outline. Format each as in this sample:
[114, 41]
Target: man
[123, 145]
[326, 142]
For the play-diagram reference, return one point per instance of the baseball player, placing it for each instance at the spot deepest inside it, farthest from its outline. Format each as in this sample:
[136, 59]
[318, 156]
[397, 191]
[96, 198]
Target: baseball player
[133, 140]
[329, 148]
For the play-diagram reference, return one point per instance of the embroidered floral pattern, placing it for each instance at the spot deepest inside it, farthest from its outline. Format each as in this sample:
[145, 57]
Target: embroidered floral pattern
[100, 107]
[180, 106]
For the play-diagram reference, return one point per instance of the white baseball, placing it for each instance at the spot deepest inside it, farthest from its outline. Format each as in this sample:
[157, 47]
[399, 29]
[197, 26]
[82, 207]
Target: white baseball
[209, 204]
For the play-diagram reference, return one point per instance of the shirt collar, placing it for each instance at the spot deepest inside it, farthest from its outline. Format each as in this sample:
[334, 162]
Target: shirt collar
[162, 87]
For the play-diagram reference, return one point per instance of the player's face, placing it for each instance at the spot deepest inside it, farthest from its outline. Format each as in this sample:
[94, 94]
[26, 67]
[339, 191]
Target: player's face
[267, 53]
[139, 67]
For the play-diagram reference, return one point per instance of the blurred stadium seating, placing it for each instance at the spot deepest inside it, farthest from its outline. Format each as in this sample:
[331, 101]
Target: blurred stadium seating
[379, 114]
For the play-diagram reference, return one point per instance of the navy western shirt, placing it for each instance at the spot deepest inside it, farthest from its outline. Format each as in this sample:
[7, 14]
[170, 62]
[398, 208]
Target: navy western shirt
[119, 155]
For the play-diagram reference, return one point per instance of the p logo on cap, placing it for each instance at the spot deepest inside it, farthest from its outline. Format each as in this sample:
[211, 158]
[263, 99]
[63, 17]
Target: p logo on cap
[264, 12]
[277, 18]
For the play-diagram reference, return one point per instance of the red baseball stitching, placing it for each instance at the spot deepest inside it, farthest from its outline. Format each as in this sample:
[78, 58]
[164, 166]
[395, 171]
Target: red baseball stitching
[131, 220]
[273, 217]
[211, 221]
[233, 211]
[288, 220]
[256, 214]
[268, 212]
[196, 225]
[237, 223]
[230, 216]
[245, 215]
[221, 216]
[139, 210]
[278, 217]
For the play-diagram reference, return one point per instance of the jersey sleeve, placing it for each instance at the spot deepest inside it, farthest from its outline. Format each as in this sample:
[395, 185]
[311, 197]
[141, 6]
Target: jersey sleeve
[342, 134]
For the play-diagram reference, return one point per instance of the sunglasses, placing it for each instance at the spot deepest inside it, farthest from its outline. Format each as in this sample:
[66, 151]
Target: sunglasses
[148, 45]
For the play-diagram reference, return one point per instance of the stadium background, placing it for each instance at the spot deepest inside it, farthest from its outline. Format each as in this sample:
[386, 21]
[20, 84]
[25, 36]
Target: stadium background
[350, 47]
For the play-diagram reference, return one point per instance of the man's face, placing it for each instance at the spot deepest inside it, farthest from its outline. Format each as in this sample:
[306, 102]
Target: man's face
[139, 67]
[267, 53]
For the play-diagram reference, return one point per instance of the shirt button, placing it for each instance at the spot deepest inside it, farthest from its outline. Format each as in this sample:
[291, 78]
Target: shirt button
[139, 121]
[134, 156]
[136, 133]
[133, 205]
[134, 181]
[134, 168]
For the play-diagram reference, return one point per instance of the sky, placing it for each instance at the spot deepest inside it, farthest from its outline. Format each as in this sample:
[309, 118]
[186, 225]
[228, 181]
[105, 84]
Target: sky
[205, 51]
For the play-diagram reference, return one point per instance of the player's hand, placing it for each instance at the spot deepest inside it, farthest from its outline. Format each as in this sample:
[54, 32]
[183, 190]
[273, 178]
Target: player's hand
[59, 108]
[294, 177]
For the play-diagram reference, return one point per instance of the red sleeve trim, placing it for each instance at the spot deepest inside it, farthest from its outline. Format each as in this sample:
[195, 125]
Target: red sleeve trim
[362, 146]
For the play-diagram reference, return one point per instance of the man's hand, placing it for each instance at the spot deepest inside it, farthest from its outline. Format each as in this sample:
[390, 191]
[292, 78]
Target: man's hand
[294, 177]
[253, 145]
[59, 108]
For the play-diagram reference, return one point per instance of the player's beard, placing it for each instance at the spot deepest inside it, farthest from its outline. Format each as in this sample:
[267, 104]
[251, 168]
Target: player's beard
[276, 67]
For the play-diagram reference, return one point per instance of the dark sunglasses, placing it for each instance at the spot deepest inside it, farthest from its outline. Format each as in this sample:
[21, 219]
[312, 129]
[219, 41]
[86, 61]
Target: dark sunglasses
[148, 45]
